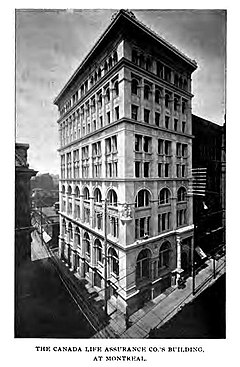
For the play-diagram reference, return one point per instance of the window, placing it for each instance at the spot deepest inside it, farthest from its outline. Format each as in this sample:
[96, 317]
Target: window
[166, 170]
[113, 261]
[101, 121]
[181, 217]
[182, 194]
[69, 165]
[100, 99]
[115, 57]
[87, 245]
[164, 255]
[86, 195]
[183, 126]
[175, 124]
[77, 237]
[167, 100]
[146, 115]
[76, 163]
[116, 89]
[142, 227]
[142, 199]
[134, 112]
[117, 113]
[135, 57]
[159, 169]
[184, 150]
[108, 94]
[167, 74]
[160, 70]
[164, 197]
[112, 198]
[183, 170]
[163, 222]
[108, 117]
[98, 249]
[167, 119]
[185, 86]
[146, 92]
[157, 96]
[148, 64]
[176, 102]
[168, 146]
[138, 143]
[146, 167]
[113, 226]
[147, 144]
[110, 62]
[134, 86]
[160, 146]
[70, 231]
[178, 170]
[111, 145]
[183, 106]
[157, 118]
[94, 125]
[176, 79]
[77, 192]
[97, 196]
[99, 72]
[143, 265]
[137, 169]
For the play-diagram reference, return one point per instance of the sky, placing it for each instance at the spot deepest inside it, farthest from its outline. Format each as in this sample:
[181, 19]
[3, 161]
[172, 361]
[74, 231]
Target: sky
[50, 45]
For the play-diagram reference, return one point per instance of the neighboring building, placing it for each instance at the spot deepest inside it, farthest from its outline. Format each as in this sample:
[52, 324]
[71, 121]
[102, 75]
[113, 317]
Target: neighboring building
[126, 137]
[23, 227]
[46, 221]
[209, 214]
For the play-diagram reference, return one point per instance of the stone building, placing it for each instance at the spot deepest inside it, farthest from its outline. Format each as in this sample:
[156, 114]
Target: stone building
[125, 135]
[23, 229]
[209, 210]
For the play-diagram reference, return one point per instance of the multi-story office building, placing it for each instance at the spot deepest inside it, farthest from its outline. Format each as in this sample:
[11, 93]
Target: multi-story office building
[126, 145]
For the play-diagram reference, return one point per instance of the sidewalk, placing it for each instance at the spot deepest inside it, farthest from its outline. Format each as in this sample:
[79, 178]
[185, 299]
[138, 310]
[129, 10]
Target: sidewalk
[158, 311]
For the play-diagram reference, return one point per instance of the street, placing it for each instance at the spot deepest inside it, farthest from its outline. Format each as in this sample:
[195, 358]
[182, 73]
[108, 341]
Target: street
[44, 307]
[202, 318]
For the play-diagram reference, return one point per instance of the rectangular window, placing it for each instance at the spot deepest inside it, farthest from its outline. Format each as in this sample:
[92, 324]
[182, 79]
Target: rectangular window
[117, 113]
[101, 121]
[142, 227]
[160, 146]
[167, 119]
[159, 169]
[134, 112]
[167, 147]
[175, 124]
[178, 149]
[146, 115]
[138, 143]
[166, 170]
[146, 144]
[178, 170]
[146, 169]
[137, 169]
[183, 126]
[94, 125]
[184, 150]
[108, 118]
[157, 118]
[183, 170]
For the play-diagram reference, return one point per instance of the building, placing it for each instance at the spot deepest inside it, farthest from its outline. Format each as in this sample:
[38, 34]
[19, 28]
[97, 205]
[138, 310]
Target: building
[46, 221]
[126, 146]
[209, 212]
[23, 227]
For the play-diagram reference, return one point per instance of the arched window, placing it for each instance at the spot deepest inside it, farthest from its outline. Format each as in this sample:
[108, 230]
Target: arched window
[69, 190]
[86, 195]
[97, 195]
[87, 244]
[143, 265]
[182, 194]
[134, 86]
[77, 192]
[164, 255]
[116, 88]
[167, 100]
[108, 94]
[98, 249]
[115, 57]
[63, 189]
[77, 236]
[146, 91]
[112, 198]
[110, 62]
[70, 231]
[113, 261]
[157, 96]
[164, 196]
[142, 199]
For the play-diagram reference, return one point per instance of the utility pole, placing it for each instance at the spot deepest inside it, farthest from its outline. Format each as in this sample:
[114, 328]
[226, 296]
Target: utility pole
[105, 260]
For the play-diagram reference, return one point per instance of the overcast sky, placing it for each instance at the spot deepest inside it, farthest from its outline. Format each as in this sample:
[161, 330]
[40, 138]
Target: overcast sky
[51, 44]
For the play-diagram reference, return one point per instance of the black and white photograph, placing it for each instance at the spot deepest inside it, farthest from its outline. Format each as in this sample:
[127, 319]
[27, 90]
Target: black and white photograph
[120, 174]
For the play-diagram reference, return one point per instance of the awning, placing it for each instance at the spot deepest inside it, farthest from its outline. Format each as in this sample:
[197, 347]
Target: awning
[200, 252]
[46, 237]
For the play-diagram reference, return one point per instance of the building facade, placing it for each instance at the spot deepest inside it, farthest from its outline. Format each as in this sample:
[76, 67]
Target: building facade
[23, 228]
[125, 136]
[209, 210]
